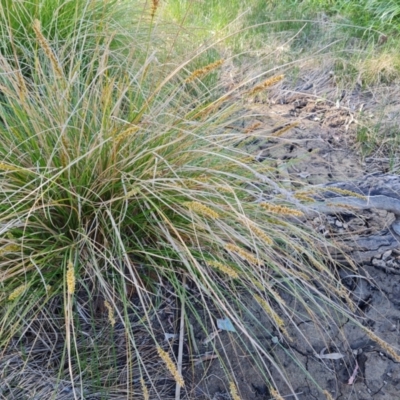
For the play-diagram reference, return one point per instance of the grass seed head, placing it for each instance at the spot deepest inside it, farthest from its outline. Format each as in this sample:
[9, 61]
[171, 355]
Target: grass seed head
[233, 391]
[46, 48]
[201, 209]
[242, 253]
[275, 394]
[7, 167]
[70, 278]
[344, 192]
[9, 248]
[145, 391]
[258, 285]
[302, 196]
[126, 133]
[327, 395]
[252, 127]
[257, 231]
[385, 346]
[266, 84]
[203, 71]
[171, 366]
[110, 313]
[277, 319]
[224, 268]
[282, 210]
[154, 6]
[286, 128]
[17, 292]
[23, 90]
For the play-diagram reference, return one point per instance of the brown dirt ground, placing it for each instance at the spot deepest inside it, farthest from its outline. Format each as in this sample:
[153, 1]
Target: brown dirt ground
[322, 148]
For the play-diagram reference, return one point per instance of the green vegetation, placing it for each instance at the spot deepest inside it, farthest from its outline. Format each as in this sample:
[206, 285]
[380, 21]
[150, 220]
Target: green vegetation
[120, 183]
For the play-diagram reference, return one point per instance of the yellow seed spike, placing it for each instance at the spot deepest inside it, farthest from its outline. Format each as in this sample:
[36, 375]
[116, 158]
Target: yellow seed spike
[286, 128]
[110, 313]
[154, 6]
[327, 395]
[242, 253]
[46, 48]
[252, 127]
[9, 248]
[344, 192]
[385, 346]
[233, 391]
[17, 292]
[126, 133]
[224, 268]
[282, 210]
[275, 394]
[203, 71]
[304, 197]
[7, 167]
[259, 233]
[171, 366]
[276, 318]
[23, 90]
[266, 84]
[70, 278]
[201, 209]
[145, 391]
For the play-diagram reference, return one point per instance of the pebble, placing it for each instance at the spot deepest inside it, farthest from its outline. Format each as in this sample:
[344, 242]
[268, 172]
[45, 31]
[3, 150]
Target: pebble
[390, 263]
[386, 254]
[378, 263]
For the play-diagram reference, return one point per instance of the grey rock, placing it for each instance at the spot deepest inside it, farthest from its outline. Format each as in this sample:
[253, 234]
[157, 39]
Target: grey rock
[370, 208]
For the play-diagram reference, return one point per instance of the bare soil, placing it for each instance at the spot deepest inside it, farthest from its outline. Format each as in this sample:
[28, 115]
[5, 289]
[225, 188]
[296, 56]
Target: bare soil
[321, 149]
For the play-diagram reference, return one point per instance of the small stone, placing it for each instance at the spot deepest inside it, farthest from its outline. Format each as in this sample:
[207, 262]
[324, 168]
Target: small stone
[339, 224]
[386, 254]
[378, 263]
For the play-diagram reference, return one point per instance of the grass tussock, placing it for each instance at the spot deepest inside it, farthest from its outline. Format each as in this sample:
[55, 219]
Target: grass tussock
[117, 188]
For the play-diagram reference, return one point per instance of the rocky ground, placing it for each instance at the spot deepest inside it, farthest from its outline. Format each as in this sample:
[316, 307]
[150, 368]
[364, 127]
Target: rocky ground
[342, 360]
